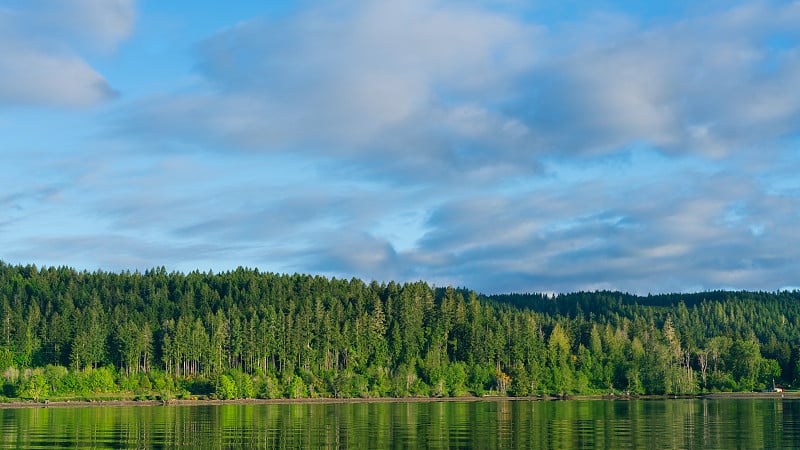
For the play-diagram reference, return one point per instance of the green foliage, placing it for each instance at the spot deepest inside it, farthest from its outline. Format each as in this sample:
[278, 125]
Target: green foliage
[268, 386]
[226, 388]
[521, 383]
[74, 382]
[34, 386]
[101, 380]
[55, 376]
[349, 384]
[235, 384]
[6, 358]
[296, 335]
[295, 388]
[769, 369]
[163, 384]
[745, 360]
[403, 379]
[246, 387]
[380, 384]
[198, 387]
[455, 376]
[144, 381]
[481, 376]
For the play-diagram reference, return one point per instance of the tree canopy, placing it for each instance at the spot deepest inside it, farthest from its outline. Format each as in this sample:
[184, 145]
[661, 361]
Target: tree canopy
[246, 333]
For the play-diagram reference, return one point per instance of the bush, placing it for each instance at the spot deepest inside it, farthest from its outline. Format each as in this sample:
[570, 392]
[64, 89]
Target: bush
[55, 377]
[74, 382]
[420, 389]
[455, 376]
[183, 394]
[244, 385]
[102, 379]
[34, 386]
[479, 378]
[379, 383]
[269, 387]
[162, 382]
[226, 388]
[128, 382]
[145, 383]
[295, 387]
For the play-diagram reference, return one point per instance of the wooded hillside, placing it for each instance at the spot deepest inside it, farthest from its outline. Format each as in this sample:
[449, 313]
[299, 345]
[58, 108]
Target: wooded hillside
[251, 334]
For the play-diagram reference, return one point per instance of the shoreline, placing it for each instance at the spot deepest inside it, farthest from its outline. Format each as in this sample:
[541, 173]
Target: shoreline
[21, 404]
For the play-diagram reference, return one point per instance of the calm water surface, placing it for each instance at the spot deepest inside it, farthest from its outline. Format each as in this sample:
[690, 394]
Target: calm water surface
[719, 423]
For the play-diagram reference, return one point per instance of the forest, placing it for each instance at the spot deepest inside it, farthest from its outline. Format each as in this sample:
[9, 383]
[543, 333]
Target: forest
[250, 334]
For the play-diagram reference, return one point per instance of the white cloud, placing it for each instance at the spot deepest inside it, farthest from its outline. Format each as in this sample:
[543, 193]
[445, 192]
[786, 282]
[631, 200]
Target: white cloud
[40, 50]
[31, 77]
[401, 87]
[101, 24]
[364, 79]
[713, 84]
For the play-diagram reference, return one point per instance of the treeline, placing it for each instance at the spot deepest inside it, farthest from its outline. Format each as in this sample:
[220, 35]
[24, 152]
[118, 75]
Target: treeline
[251, 334]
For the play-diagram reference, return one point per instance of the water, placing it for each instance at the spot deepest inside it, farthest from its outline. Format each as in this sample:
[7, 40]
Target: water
[718, 423]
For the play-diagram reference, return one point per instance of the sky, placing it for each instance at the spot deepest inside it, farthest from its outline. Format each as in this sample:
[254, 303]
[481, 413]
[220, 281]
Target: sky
[498, 145]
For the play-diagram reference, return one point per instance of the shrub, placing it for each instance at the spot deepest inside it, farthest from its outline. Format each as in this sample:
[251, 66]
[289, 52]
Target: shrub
[35, 386]
[226, 388]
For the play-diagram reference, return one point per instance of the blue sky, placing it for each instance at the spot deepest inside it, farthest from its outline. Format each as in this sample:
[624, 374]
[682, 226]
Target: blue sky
[493, 144]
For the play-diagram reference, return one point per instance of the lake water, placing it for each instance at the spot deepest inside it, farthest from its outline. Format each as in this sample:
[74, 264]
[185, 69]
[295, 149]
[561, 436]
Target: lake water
[691, 423]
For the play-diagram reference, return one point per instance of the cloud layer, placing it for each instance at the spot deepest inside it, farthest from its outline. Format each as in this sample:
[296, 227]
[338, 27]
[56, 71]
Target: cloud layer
[428, 82]
[483, 144]
[407, 84]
